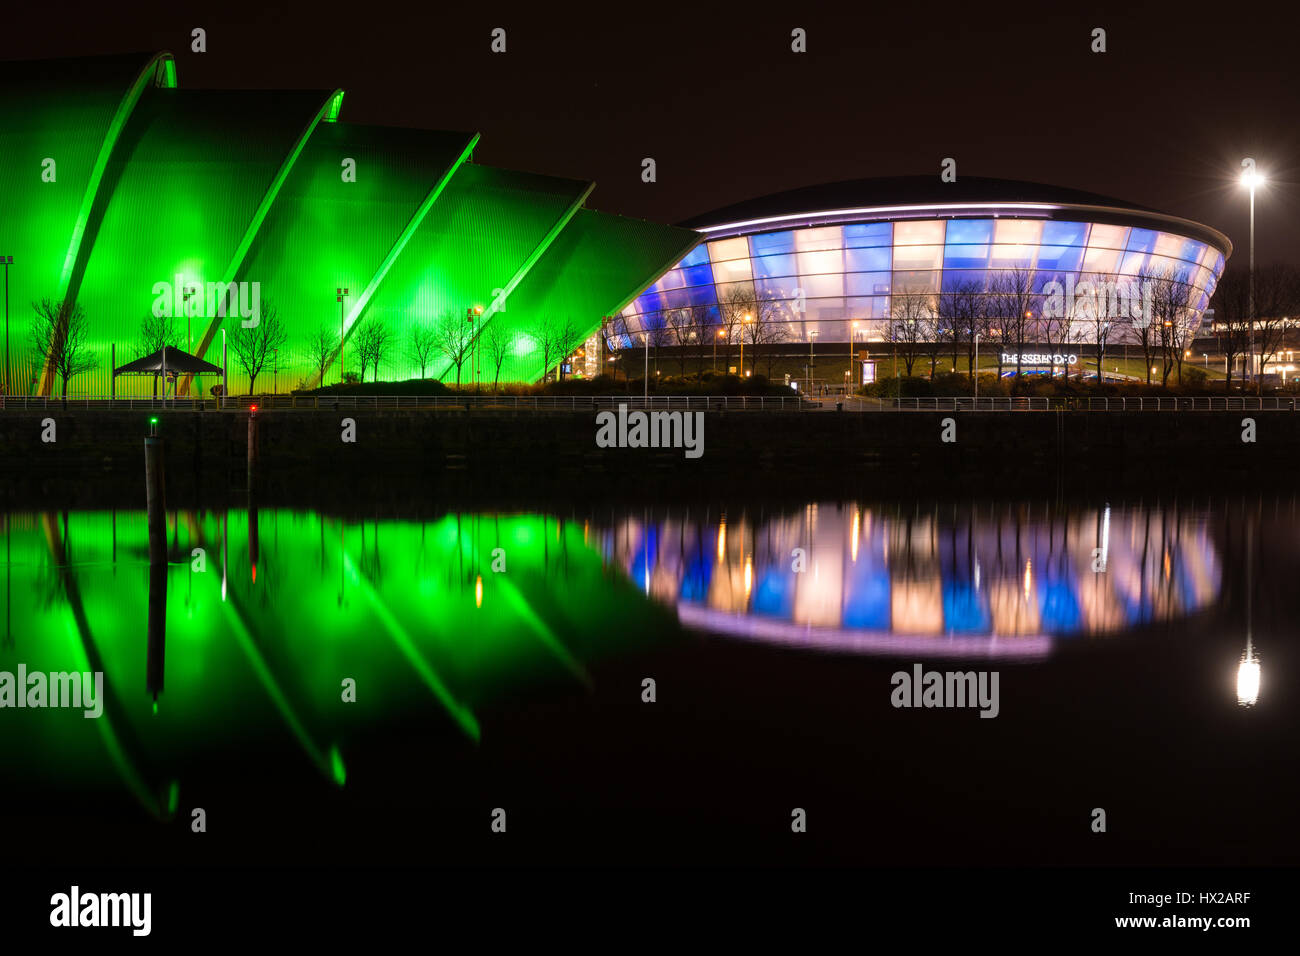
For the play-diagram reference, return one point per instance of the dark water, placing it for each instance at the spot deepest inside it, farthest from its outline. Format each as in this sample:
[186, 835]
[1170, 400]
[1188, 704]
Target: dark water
[500, 661]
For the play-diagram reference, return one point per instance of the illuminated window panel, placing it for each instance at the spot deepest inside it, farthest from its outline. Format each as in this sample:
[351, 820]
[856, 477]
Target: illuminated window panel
[819, 240]
[775, 266]
[697, 256]
[772, 243]
[821, 286]
[782, 287]
[1101, 260]
[732, 270]
[1016, 242]
[918, 257]
[1132, 263]
[722, 250]
[969, 232]
[964, 280]
[918, 233]
[699, 274]
[867, 283]
[1107, 237]
[1060, 258]
[672, 279]
[965, 256]
[727, 289]
[827, 309]
[916, 283]
[873, 259]
[818, 263]
[1065, 234]
[1142, 240]
[864, 235]
[868, 307]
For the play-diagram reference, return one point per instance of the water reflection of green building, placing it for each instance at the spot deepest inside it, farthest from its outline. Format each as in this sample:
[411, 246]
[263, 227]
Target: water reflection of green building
[253, 636]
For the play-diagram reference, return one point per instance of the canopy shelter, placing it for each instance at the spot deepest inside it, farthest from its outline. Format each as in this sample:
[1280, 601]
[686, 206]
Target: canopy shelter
[168, 362]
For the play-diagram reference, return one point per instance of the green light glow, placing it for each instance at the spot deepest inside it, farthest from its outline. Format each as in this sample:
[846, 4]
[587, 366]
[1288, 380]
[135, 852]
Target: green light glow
[390, 604]
[335, 107]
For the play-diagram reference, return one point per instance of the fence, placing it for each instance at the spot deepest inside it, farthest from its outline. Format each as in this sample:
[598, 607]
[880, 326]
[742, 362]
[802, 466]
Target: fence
[560, 403]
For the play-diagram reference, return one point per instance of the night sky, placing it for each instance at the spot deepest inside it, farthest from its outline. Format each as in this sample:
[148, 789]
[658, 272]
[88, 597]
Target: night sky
[729, 112]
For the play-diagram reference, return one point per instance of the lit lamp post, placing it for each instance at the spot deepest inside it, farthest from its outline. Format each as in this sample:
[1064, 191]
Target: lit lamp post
[342, 295]
[1250, 177]
[472, 313]
[976, 373]
[744, 322]
[811, 361]
[853, 332]
[715, 349]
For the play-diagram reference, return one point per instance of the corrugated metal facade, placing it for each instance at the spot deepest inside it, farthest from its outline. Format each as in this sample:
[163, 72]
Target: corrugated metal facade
[204, 187]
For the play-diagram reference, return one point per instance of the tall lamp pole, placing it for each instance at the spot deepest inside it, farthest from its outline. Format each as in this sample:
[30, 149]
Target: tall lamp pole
[472, 313]
[1251, 178]
[342, 295]
[853, 331]
[975, 374]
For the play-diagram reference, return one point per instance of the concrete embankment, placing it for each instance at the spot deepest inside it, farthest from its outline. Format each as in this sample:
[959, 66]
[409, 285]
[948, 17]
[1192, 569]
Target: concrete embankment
[97, 457]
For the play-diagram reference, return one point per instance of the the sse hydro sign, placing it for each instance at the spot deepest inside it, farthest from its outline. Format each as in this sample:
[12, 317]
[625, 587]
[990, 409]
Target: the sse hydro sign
[1039, 358]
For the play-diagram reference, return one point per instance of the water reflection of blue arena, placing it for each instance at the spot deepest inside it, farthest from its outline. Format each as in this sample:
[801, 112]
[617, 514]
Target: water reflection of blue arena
[945, 581]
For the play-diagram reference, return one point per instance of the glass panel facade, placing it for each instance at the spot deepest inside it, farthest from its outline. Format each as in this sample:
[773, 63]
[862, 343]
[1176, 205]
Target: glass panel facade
[825, 277]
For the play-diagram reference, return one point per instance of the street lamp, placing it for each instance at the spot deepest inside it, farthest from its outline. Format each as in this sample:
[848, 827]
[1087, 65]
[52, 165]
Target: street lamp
[715, 349]
[472, 313]
[976, 373]
[342, 295]
[853, 331]
[1250, 178]
[811, 361]
[748, 318]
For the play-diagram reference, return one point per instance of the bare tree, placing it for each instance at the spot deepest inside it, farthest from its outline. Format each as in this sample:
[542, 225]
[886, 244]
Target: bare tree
[60, 334]
[253, 347]
[699, 329]
[155, 332]
[1277, 300]
[934, 332]
[422, 346]
[322, 346]
[455, 339]
[373, 341]
[907, 328]
[1013, 292]
[1232, 317]
[569, 339]
[613, 334]
[733, 306]
[499, 342]
[766, 326]
[1095, 305]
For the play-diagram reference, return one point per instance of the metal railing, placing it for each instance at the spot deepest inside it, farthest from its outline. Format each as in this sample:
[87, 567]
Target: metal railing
[449, 403]
[575, 403]
[1140, 403]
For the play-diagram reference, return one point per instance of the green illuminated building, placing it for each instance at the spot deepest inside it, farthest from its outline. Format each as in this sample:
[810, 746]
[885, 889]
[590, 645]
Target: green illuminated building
[118, 187]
